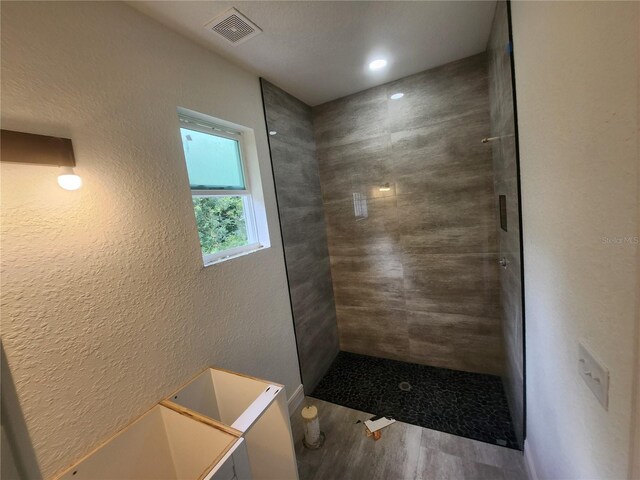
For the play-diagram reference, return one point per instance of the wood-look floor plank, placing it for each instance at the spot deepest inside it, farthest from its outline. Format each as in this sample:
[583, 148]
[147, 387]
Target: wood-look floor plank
[404, 452]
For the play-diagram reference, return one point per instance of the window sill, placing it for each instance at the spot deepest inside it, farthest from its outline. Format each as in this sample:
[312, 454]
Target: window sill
[215, 261]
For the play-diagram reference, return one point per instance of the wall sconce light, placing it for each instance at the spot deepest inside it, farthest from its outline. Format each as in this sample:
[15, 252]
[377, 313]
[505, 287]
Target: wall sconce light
[32, 149]
[68, 179]
[385, 188]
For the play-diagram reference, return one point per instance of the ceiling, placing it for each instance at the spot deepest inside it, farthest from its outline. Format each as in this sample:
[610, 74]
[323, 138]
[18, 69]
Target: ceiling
[320, 50]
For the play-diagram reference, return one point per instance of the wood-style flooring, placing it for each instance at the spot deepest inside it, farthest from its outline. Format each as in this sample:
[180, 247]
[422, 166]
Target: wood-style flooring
[404, 452]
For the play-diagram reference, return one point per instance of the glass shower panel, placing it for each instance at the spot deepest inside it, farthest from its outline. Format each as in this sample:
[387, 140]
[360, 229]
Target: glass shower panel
[503, 144]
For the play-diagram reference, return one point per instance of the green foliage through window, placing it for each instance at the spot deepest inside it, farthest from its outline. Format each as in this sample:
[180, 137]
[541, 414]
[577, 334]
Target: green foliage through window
[221, 222]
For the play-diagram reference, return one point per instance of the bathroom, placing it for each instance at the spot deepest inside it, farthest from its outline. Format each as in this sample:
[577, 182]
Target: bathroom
[397, 205]
[254, 231]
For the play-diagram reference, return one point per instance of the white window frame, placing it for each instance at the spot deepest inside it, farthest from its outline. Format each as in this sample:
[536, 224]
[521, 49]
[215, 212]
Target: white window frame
[247, 200]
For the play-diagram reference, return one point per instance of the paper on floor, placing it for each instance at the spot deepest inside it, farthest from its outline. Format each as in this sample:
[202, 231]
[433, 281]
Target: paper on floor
[378, 424]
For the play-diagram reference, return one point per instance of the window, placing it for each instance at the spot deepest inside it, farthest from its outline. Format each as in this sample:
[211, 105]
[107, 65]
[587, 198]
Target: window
[220, 189]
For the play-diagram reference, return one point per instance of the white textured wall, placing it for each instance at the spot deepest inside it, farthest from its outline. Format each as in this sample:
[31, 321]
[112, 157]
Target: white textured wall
[105, 304]
[577, 91]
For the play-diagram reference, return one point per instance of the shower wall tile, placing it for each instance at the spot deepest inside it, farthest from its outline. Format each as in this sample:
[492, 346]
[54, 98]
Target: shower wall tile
[448, 221]
[506, 183]
[416, 275]
[381, 332]
[378, 245]
[380, 217]
[368, 281]
[453, 206]
[365, 262]
[361, 166]
[351, 119]
[295, 170]
[440, 94]
[456, 285]
[445, 154]
[296, 164]
[462, 342]
[356, 291]
[469, 278]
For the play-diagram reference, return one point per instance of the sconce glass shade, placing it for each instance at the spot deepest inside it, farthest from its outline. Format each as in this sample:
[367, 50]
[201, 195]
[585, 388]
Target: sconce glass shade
[68, 179]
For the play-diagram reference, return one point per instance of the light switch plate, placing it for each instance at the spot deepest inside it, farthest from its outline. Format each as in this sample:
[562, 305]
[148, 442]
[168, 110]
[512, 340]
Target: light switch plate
[595, 375]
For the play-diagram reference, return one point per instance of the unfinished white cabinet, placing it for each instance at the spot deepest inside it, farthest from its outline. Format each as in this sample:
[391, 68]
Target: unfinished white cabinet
[254, 408]
[163, 444]
[234, 465]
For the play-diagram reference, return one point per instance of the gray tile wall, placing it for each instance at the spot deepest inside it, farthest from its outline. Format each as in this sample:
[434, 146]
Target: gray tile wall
[506, 183]
[295, 170]
[415, 276]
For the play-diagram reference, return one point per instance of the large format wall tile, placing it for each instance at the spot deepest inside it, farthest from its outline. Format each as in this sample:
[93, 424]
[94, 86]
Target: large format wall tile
[351, 119]
[378, 332]
[361, 166]
[346, 224]
[452, 283]
[295, 170]
[448, 221]
[506, 183]
[462, 342]
[440, 94]
[447, 154]
[414, 267]
[361, 290]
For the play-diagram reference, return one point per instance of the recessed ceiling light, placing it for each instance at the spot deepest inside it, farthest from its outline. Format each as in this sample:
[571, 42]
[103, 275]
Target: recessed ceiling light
[396, 96]
[377, 64]
[272, 132]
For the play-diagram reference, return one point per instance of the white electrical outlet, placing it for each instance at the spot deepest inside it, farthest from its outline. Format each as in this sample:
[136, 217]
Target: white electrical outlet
[595, 375]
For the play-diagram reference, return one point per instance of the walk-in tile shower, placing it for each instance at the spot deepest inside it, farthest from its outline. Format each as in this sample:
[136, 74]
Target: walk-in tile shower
[401, 229]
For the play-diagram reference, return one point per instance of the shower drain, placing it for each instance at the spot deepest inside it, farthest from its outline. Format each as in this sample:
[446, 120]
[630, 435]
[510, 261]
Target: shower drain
[404, 386]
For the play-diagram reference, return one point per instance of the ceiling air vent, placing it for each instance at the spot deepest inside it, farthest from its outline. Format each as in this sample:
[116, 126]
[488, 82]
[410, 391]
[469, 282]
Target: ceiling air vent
[234, 27]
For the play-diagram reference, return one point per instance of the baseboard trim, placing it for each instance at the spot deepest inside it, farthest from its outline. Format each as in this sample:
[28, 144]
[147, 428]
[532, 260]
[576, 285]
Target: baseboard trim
[529, 463]
[296, 399]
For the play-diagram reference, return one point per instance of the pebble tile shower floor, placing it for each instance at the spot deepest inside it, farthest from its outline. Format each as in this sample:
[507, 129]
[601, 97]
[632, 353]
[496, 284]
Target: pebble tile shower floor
[471, 405]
